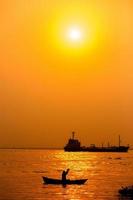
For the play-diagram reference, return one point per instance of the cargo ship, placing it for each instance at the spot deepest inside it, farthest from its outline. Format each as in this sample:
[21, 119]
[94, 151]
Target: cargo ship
[74, 145]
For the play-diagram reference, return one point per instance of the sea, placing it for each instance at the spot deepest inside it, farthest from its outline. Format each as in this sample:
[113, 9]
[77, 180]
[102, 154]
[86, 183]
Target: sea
[21, 172]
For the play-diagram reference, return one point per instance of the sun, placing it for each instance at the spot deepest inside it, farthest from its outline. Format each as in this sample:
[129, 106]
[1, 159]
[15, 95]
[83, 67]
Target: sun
[74, 34]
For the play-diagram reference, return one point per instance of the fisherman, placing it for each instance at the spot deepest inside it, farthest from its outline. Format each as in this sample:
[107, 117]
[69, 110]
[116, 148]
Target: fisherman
[64, 173]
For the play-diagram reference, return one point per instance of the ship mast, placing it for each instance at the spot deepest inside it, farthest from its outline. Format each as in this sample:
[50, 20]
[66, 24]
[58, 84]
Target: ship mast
[119, 141]
[73, 134]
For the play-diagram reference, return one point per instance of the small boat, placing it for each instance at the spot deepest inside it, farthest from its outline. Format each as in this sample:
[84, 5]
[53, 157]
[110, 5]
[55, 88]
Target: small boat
[126, 191]
[59, 181]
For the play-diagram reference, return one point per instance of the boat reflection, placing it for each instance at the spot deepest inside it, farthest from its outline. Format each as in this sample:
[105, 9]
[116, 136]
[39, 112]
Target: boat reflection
[125, 198]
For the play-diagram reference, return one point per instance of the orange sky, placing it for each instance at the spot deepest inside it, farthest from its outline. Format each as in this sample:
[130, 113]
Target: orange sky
[50, 86]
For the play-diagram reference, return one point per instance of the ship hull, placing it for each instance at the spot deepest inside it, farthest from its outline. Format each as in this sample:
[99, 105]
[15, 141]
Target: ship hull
[98, 149]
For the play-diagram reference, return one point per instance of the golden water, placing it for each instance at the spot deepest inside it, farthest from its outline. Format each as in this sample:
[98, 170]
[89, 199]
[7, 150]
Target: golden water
[21, 174]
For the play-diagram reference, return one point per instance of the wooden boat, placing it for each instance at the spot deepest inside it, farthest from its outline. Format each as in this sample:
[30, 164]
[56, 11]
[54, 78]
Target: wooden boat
[59, 181]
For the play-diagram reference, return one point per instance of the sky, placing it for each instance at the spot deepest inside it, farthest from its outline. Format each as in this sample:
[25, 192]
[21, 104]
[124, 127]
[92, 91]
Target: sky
[52, 84]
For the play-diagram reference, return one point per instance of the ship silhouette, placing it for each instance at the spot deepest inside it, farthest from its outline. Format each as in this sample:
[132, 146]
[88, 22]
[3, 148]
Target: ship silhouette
[74, 145]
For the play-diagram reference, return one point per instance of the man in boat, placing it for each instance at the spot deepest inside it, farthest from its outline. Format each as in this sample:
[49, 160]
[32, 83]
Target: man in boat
[64, 173]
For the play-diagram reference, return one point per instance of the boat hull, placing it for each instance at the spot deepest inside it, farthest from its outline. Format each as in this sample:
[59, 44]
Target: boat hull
[74, 145]
[59, 181]
[98, 149]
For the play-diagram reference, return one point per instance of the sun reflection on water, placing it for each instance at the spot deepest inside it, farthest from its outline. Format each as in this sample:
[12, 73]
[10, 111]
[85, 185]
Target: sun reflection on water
[105, 173]
[75, 161]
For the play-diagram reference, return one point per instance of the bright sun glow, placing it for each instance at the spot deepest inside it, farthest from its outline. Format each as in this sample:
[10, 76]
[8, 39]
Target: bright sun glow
[74, 34]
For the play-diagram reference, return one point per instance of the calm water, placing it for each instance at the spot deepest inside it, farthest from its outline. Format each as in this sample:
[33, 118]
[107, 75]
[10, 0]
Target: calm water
[21, 174]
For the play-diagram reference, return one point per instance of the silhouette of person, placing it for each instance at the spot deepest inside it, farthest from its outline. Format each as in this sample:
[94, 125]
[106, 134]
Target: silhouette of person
[64, 173]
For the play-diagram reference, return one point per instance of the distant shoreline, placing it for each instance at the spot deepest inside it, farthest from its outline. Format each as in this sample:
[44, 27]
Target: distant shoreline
[31, 148]
[35, 148]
